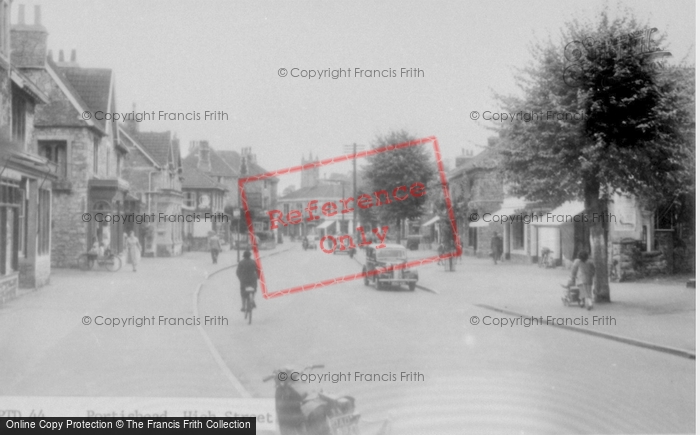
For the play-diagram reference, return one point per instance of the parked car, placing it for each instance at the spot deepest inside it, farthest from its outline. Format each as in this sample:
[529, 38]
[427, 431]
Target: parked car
[350, 251]
[413, 241]
[391, 255]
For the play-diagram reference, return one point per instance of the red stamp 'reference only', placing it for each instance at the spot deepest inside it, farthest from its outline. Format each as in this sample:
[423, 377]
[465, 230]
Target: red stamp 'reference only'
[314, 211]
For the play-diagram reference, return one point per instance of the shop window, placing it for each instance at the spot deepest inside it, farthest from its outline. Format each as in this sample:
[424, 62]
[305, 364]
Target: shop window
[10, 198]
[471, 239]
[518, 234]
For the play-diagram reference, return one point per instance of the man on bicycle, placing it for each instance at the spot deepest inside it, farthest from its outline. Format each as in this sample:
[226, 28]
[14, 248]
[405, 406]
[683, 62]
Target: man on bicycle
[248, 274]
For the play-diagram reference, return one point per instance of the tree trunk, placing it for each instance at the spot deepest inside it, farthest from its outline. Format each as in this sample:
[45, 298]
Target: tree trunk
[596, 209]
[398, 230]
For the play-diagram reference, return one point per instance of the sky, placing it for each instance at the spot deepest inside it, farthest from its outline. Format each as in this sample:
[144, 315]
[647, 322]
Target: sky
[192, 56]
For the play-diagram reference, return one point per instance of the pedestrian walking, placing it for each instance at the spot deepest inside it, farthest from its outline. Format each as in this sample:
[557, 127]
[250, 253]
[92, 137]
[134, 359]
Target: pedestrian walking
[496, 247]
[248, 275]
[583, 272]
[133, 250]
[214, 246]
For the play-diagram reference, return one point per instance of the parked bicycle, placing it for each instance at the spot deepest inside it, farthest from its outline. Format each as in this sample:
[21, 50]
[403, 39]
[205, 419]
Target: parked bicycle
[109, 261]
[547, 258]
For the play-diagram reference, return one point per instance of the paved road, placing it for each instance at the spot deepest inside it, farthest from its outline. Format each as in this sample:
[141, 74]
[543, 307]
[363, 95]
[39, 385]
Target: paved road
[477, 379]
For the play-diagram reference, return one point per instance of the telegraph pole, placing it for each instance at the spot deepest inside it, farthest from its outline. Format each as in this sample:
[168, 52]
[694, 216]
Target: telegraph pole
[354, 149]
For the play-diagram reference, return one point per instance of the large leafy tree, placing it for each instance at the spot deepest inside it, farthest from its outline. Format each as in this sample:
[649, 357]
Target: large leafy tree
[400, 167]
[625, 137]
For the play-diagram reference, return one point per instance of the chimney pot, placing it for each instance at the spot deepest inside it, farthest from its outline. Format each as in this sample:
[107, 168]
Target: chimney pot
[60, 55]
[21, 14]
[72, 55]
[51, 55]
[37, 15]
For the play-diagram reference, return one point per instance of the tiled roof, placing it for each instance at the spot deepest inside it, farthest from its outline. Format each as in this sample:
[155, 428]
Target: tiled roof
[158, 145]
[319, 191]
[218, 166]
[195, 179]
[93, 86]
[59, 111]
[487, 159]
[233, 159]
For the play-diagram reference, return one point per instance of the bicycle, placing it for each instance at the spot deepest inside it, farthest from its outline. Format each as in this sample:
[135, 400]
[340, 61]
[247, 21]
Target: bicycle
[546, 259]
[111, 262]
[249, 304]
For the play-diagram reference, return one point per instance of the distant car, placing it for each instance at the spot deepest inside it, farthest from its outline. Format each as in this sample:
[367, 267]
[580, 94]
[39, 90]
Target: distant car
[413, 242]
[391, 255]
[350, 251]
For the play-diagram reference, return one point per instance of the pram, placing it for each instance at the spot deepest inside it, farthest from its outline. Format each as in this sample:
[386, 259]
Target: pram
[572, 295]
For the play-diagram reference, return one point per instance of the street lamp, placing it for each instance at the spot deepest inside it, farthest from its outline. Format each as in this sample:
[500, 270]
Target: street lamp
[242, 173]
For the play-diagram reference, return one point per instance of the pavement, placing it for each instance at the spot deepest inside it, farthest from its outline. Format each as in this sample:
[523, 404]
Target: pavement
[655, 313]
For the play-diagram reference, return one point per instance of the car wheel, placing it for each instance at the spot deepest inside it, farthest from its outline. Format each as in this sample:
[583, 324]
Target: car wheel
[412, 286]
[364, 270]
[377, 284]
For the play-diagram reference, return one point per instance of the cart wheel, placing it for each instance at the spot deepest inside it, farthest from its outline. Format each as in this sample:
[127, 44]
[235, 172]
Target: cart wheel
[113, 264]
[85, 262]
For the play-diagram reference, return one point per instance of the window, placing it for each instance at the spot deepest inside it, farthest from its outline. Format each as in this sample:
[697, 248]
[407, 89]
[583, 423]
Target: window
[95, 155]
[44, 222]
[19, 116]
[10, 198]
[5, 29]
[23, 218]
[189, 199]
[56, 152]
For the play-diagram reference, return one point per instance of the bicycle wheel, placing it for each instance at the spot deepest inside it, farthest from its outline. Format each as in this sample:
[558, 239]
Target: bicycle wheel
[249, 308]
[85, 262]
[113, 263]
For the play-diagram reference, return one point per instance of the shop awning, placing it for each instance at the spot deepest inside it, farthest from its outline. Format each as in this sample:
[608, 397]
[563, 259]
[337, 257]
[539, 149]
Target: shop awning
[478, 224]
[325, 225]
[564, 214]
[431, 221]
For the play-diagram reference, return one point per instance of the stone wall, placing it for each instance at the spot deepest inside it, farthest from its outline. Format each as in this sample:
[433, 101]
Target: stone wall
[629, 261]
[8, 287]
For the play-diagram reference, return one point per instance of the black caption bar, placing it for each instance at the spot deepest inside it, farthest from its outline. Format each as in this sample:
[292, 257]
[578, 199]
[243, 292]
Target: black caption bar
[239, 425]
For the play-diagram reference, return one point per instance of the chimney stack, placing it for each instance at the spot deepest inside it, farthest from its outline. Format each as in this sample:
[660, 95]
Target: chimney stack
[37, 15]
[60, 56]
[73, 56]
[28, 41]
[204, 162]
